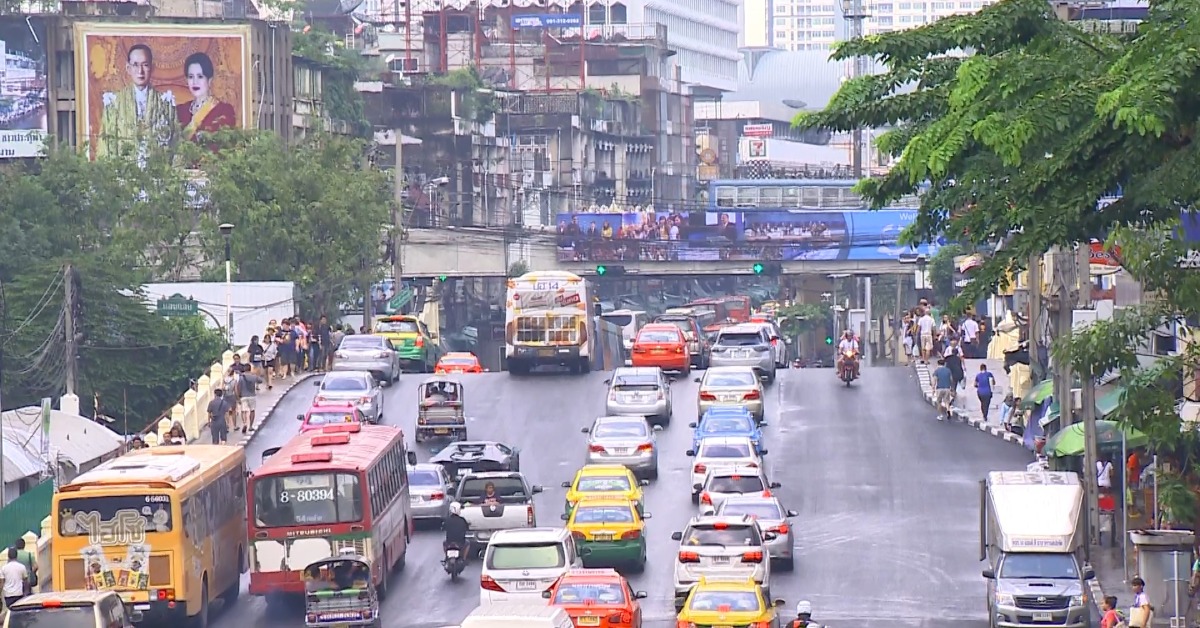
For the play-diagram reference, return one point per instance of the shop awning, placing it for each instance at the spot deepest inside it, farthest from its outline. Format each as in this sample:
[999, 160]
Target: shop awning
[1044, 390]
[1107, 403]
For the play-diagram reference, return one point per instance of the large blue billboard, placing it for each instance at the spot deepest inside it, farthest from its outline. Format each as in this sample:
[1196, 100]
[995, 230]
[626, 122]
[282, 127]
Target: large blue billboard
[751, 235]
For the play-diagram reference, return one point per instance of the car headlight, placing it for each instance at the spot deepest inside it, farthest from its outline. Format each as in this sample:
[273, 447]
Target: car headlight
[1005, 599]
[1079, 600]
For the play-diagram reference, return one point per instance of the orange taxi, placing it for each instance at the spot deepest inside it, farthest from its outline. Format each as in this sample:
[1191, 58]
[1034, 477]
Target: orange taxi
[661, 345]
[597, 597]
[458, 362]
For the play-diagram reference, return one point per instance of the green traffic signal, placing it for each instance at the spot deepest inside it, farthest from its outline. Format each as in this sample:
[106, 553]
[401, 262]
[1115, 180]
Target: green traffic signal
[441, 278]
[828, 340]
[600, 270]
[758, 268]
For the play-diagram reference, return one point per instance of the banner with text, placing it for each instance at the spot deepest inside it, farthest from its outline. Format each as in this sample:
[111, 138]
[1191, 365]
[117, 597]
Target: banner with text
[23, 99]
[749, 235]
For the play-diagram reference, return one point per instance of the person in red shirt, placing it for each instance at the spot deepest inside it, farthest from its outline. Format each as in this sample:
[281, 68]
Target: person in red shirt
[1109, 617]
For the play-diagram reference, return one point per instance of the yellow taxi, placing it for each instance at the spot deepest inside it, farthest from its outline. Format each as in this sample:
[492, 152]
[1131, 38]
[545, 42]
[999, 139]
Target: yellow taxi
[609, 480]
[717, 602]
[612, 529]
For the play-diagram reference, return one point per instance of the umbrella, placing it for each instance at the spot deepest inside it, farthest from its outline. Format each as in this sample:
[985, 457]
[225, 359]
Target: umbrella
[1040, 393]
[1069, 440]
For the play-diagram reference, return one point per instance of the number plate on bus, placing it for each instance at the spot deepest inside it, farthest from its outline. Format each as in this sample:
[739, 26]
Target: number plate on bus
[1043, 617]
[589, 620]
[546, 353]
[527, 585]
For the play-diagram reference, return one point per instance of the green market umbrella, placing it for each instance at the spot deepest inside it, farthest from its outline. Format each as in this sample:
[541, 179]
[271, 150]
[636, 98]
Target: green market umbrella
[1069, 440]
[1040, 393]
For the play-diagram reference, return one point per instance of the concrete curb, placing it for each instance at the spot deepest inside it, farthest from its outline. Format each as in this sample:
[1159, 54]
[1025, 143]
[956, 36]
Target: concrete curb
[265, 412]
[925, 379]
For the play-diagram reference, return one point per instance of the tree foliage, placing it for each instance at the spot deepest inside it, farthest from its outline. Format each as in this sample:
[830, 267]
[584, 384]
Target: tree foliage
[1020, 139]
[941, 273]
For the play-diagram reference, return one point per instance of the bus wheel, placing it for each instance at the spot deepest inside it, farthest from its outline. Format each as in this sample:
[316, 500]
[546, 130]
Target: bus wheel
[383, 579]
[230, 596]
[400, 562]
[201, 620]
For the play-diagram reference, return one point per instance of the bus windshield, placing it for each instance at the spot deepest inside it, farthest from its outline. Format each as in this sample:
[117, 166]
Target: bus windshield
[300, 499]
[115, 519]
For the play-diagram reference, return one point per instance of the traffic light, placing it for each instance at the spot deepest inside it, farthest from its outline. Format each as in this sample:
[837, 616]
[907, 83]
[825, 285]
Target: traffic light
[441, 278]
[767, 268]
[828, 340]
[604, 271]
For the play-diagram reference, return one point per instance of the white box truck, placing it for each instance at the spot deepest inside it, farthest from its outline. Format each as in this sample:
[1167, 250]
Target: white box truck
[1032, 533]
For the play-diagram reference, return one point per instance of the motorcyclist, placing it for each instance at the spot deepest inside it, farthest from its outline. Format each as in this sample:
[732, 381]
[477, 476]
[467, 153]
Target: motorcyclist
[848, 344]
[804, 616]
[456, 528]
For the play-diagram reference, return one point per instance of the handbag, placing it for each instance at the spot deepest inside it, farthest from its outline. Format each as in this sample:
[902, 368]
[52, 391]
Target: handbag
[1140, 617]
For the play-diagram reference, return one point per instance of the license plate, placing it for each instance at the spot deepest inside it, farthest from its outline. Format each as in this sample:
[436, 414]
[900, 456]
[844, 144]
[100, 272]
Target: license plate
[722, 626]
[441, 430]
[1043, 616]
[452, 554]
[741, 354]
[729, 397]
[527, 585]
[546, 353]
[589, 620]
[658, 351]
[602, 536]
[720, 560]
[619, 451]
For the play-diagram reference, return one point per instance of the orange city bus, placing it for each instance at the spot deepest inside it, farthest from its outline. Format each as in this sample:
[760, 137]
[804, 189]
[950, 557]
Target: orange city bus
[163, 527]
[735, 308]
[342, 487]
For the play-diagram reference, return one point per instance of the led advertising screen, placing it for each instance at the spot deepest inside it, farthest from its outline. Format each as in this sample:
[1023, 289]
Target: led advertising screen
[23, 97]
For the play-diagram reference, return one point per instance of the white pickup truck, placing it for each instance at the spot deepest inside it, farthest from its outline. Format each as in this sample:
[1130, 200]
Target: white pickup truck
[509, 507]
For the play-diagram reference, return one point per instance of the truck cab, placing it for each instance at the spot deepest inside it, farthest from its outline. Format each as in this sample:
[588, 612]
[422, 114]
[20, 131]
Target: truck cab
[1033, 537]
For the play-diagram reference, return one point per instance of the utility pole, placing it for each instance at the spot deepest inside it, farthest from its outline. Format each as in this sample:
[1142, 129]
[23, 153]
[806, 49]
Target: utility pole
[69, 329]
[1035, 314]
[866, 341]
[1091, 454]
[853, 11]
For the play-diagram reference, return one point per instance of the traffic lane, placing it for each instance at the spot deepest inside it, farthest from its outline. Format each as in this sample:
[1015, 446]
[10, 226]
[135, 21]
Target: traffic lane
[889, 500]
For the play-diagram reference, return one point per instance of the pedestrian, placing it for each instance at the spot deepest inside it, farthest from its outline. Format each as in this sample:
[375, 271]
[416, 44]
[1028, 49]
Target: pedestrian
[255, 351]
[1104, 474]
[324, 336]
[233, 392]
[136, 443]
[286, 339]
[970, 337]
[15, 576]
[943, 389]
[954, 361]
[335, 340]
[270, 359]
[984, 381]
[247, 399]
[28, 559]
[302, 345]
[925, 332]
[218, 408]
[1109, 617]
[175, 435]
[238, 366]
[1141, 614]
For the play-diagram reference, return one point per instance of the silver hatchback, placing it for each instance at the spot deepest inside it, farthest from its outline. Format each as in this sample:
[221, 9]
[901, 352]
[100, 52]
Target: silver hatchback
[429, 491]
[745, 345]
[624, 440]
[771, 517]
[640, 391]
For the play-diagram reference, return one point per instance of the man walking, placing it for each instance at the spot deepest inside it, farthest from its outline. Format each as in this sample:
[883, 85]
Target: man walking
[970, 337]
[943, 389]
[925, 334]
[15, 576]
[247, 384]
[984, 381]
[27, 558]
[218, 409]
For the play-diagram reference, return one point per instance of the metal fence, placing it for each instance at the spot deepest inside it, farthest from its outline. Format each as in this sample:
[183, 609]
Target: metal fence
[25, 513]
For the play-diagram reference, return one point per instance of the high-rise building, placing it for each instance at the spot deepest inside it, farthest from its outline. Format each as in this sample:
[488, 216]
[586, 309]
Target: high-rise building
[705, 33]
[817, 24]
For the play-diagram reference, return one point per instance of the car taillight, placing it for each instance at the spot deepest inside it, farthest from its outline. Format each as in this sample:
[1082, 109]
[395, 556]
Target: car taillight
[699, 468]
[780, 529]
[752, 557]
[689, 557]
[596, 449]
[420, 342]
[579, 536]
[612, 396]
[767, 493]
[753, 394]
[645, 447]
[489, 584]
[661, 395]
[623, 617]
[705, 498]
[679, 349]
[639, 349]
[529, 515]
[632, 534]
[437, 495]
[319, 400]
[707, 397]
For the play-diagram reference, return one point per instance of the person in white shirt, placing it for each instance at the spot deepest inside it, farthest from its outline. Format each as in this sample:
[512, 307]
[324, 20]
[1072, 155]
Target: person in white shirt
[1104, 475]
[848, 343]
[925, 331]
[970, 332]
[14, 575]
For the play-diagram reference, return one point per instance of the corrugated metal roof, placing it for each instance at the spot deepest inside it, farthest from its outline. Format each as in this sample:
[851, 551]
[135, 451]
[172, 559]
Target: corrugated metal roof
[19, 462]
[805, 75]
[78, 439]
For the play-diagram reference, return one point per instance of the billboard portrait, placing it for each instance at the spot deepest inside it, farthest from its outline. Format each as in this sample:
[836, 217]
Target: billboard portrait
[23, 97]
[154, 85]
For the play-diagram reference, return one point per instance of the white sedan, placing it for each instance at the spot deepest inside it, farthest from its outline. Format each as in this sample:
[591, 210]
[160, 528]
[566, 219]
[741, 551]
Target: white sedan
[721, 451]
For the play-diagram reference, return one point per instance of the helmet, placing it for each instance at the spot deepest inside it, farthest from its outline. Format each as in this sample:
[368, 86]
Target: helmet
[848, 333]
[804, 608]
[455, 508]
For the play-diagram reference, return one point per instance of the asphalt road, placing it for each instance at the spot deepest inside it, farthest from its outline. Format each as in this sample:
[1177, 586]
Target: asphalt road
[889, 497]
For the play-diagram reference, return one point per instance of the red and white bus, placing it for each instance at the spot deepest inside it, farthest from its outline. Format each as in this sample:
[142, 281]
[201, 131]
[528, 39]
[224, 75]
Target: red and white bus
[328, 491]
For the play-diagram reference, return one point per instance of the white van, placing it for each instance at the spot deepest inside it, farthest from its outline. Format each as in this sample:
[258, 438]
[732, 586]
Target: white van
[519, 564]
[630, 322]
[518, 615]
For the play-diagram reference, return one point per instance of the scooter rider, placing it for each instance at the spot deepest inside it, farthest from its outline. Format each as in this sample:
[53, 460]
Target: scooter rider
[804, 616]
[456, 528]
[848, 343]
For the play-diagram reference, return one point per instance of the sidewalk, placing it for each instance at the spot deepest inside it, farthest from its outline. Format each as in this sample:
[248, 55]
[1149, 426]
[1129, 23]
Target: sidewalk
[267, 400]
[966, 404]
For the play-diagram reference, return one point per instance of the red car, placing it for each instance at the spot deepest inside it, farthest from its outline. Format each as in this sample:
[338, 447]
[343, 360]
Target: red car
[661, 345]
[324, 414]
[458, 362]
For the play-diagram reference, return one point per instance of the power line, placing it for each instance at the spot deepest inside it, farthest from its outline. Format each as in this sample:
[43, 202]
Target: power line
[41, 306]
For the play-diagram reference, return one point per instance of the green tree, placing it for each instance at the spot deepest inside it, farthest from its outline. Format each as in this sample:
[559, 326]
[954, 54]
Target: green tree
[1020, 139]
[311, 213]
[941, 273]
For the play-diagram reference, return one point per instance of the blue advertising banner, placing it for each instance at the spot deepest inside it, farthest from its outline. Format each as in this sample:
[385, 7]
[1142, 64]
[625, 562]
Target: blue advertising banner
[548, 20]
[751, 235]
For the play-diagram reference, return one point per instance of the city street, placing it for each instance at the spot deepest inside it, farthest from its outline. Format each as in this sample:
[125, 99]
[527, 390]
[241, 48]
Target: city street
[889, 497]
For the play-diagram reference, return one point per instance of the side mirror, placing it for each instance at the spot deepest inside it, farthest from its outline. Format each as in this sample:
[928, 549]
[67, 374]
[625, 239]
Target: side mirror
[1089, 574]
[676, 536]
[586, 430]
[763, 453]
[697, 380]
[793, 513]
[536, 489]
[693, 425]
[691, 452]
[776, 603]
[412, 457]
[566, 485]
[989, 574]
[564, 516]
[657, 428]
[546, 594]
[697, 487]
[643, 482]
[639, 595]
[776, 485]
[317, 383]
[646, 515]
[299, 417]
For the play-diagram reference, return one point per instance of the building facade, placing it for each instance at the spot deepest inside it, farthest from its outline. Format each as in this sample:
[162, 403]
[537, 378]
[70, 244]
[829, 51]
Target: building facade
[818, 24]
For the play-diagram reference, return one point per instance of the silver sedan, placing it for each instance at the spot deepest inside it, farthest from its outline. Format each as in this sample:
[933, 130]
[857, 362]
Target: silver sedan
[429, 490]
[771, 517]
[357, 387]
[366, 352]
[624, 440]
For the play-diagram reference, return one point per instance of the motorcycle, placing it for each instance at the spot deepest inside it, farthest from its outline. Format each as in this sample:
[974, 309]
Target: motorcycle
[849, 360]
[455, 561]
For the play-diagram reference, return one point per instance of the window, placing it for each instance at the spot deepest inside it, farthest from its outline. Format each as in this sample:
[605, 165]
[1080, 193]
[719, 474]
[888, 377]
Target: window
[736, 484]
[527, 556]
[215, 505]
[727, 535]
[135, 514]
[307, 499]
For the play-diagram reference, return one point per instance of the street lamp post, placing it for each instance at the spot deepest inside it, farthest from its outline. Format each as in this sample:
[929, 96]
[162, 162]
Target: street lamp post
[227, 233]
[854, 13]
